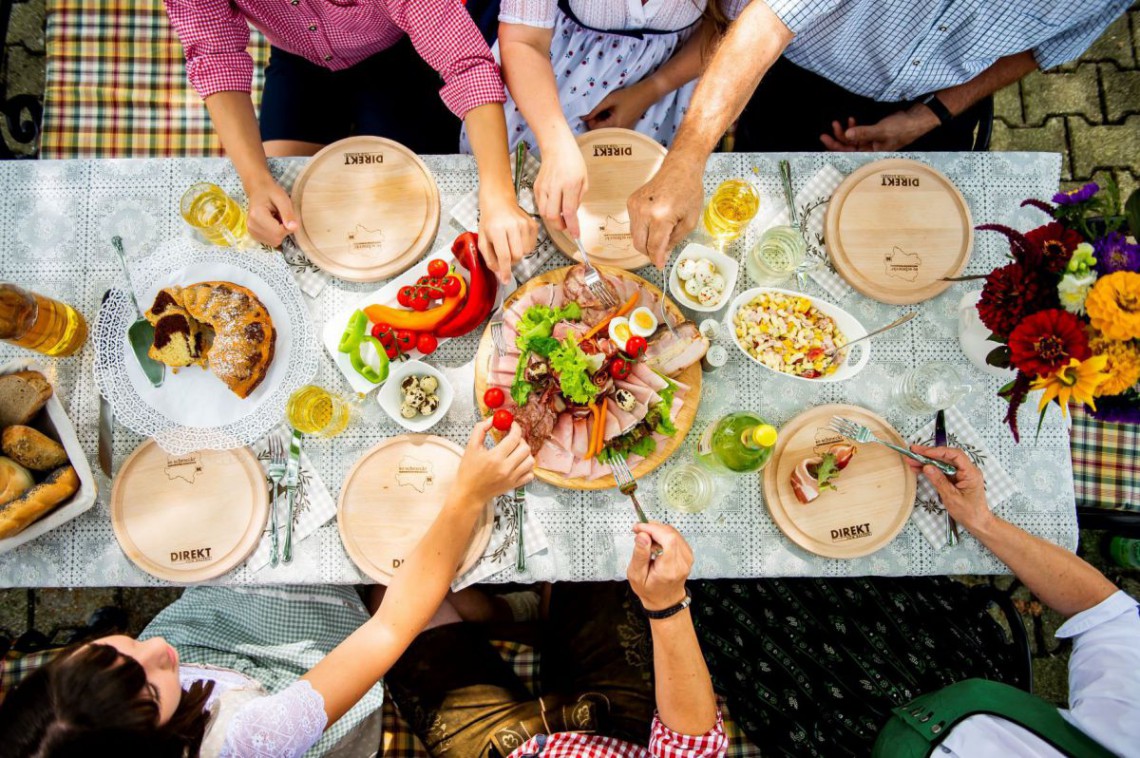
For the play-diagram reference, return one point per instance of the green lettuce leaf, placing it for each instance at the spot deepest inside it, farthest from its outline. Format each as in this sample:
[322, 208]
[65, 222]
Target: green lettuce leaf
[539, 321]
[572, 365]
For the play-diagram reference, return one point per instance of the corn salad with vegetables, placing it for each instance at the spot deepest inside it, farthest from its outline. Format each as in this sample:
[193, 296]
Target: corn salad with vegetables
[788, 334]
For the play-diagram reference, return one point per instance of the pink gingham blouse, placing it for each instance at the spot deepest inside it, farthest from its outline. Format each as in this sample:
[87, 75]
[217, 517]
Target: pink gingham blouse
[663, 743]
[336, 34]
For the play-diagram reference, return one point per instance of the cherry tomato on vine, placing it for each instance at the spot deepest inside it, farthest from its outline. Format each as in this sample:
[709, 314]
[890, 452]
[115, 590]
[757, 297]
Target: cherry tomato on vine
[391, 351]
[383, 332]
[493, 397]
[405, 296]
[502, 420]
[636, 346]
[450, 286]
[437, 268]
[405, 339]
[420, 301]
[426, 343]
[620, 368]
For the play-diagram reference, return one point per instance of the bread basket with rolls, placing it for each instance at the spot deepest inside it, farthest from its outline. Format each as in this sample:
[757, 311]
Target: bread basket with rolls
[45, 479]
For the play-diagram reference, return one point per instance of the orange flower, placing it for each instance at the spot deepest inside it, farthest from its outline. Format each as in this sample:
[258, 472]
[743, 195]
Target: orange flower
[1079, 381]
[1123, 366]
[1113, 305]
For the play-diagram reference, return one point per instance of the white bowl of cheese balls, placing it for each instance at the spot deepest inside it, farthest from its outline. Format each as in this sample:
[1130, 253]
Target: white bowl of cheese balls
[703, 279]
[416, 395]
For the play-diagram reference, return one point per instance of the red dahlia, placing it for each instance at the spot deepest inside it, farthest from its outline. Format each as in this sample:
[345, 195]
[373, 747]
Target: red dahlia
[1010, 292]
[1056, 244]
[1046, 340]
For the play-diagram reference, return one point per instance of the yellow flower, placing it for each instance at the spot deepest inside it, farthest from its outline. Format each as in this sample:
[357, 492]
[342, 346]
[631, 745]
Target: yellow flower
[1113, 305]
[1123, 363]
[1079, 381]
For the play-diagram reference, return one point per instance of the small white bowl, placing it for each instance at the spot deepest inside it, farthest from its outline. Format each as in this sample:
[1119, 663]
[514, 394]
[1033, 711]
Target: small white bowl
[390, 397]
[848, 325]
[728, 268]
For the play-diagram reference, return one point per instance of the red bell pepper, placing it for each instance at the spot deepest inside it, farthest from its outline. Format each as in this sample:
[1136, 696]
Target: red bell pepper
[481, 292]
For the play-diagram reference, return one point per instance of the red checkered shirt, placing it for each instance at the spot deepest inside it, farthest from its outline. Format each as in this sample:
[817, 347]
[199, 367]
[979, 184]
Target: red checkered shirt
[663, 743]
[336, 34]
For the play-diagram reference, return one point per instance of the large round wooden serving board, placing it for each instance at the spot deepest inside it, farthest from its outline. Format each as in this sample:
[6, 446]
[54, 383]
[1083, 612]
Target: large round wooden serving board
[896, 228]
[189, 518]
[391, 497]
[690, 376]
[618, 162]
[368, 208]
[874, 496]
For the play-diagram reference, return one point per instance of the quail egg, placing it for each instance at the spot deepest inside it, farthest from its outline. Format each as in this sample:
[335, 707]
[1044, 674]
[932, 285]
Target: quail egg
[407, 410]
[414, 397]
[430, 405]
[642, 322]
[409, 382]
[429, 384]
[625, 400]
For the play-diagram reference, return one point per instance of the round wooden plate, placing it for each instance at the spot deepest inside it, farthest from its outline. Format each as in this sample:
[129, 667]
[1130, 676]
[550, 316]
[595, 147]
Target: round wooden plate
[874, 495]
[368, 208]
[896, 228]
[618, 162]
[690, 376]
[189, 518]
[391, 497]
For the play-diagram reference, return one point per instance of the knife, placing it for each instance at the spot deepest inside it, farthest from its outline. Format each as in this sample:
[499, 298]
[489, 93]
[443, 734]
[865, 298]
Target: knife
[292, 475]
[940, 441]
[106, 427]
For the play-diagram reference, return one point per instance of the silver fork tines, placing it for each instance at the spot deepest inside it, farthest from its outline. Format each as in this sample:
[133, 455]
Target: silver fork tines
[497, 338]
[859, 433]
[277, 468]
[627, 485]
[594, 280]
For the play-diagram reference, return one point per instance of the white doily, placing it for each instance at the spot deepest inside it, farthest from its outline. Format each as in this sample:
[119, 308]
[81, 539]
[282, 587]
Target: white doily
[166, 413]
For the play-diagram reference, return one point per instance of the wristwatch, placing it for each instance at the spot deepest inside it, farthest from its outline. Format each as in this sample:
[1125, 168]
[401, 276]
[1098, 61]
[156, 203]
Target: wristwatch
[672, 610]
[938, 108]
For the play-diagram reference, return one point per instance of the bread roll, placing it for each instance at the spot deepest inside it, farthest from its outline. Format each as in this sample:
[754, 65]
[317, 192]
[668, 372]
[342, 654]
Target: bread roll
[32, 449]
[38, 501]
[15, 480]
[22, 394]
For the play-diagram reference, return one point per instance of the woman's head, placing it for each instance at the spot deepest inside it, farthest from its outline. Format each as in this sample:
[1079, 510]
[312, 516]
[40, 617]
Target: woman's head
[116, 695]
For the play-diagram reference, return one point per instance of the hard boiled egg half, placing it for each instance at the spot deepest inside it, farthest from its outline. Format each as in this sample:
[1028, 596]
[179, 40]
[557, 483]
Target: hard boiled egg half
[620, 332]
[642, 322]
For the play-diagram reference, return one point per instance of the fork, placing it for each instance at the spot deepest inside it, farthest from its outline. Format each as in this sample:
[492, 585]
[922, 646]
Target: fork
[594, 280]
[627, 485]
[276, 473]
[860, 433]
[664, 311]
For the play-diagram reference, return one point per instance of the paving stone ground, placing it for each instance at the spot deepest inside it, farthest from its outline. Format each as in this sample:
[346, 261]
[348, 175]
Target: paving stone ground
[1089, 110]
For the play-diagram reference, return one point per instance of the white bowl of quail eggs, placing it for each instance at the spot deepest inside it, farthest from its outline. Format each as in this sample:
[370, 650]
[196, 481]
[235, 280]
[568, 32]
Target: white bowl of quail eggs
[416, 395]
[702, 279]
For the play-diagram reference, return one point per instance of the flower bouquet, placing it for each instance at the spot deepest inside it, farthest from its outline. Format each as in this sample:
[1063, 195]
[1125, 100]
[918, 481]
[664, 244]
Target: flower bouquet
[1066, 309]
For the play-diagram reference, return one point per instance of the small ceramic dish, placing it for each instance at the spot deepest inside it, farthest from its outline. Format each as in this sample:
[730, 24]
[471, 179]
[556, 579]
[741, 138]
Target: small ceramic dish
[725, 266]
[391, 398]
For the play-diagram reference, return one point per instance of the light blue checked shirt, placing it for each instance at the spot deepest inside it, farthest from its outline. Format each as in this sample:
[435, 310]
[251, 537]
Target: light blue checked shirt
[892, 50]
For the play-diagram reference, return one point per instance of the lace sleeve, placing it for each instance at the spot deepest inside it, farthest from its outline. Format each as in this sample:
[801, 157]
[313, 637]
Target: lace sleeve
[284, 725]
[540, 13]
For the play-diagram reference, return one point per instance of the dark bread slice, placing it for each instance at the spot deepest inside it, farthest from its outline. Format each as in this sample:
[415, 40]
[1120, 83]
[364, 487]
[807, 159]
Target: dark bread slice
[22, 395]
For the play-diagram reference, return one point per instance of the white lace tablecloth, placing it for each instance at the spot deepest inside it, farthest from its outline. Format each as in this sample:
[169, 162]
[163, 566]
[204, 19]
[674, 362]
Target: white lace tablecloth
[56, 220]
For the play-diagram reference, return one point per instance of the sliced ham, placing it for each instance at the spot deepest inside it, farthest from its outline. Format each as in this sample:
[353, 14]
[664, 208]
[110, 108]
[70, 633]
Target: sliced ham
[675, 408]
[640, 391]
[670, 354]
[505, 364]
[598, 469]
[582, 467]
[563, 433]
[632, 460]
[623, 420]
[682, 388]
[554, 458]
[581, 438]
[804, 485]
[511, 320]
[565, 328]
[501, 378]
[648, 377]
[613, 423]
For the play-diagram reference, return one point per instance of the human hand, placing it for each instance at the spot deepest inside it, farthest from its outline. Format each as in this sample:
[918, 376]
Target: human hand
[965, 495]
[271, 217]
[622, 107]
[507, 233]
[894, 132]
[486, 473]
[667, 207]
[560, 185]
[659, 582]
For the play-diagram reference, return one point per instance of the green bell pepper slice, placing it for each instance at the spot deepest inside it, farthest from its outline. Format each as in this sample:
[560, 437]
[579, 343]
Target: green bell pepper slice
[353, 332]
[376, 374]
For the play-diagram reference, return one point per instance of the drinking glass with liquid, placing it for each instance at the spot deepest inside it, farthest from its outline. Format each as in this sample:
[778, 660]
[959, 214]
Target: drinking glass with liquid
[777, 256]
[733, 205]
[739, 442]
[218, 217]
[314, 410]
[931, 387]
[688, 488]
[40, 323]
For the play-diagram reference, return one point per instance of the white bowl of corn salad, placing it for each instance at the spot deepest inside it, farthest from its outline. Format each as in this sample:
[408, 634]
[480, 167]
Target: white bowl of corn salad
[790, 333]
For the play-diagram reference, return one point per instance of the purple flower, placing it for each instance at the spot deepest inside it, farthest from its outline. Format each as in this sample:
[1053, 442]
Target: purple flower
[1114, 253]
[1073, 197]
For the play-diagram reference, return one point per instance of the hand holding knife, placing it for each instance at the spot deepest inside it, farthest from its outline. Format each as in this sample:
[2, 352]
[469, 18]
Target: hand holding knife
[940, 441]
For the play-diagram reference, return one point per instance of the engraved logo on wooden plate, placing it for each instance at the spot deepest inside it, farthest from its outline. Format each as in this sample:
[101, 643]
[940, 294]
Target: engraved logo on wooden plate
[363, 159]
[612, 151]
[414, 473]
[825, 438]
[184, 467]
[615, 232]
[902, 265]
[899, 180]
[197, 555]
[363, 238]
[853, 532]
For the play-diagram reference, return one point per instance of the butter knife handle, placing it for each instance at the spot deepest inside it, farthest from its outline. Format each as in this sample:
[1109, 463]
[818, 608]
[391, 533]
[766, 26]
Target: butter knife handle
[520, 517]
[287, 550]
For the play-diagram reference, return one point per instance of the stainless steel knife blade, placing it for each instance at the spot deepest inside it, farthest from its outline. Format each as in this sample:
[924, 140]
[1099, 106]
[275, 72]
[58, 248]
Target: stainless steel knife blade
[106, 428]
[940, 441]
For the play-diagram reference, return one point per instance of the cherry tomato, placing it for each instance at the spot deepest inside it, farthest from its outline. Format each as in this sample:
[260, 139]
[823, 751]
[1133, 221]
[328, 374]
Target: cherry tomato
[636, 346]
[435, 293]
[426, 343]
[437, 268]
[420, 301]
[383, 332]
[391, 351]
[502, 420]
[405, 296]
[493, 397]
[450, 286]
[620, 368]
[423, 280]
[405, 339]
[811, 373]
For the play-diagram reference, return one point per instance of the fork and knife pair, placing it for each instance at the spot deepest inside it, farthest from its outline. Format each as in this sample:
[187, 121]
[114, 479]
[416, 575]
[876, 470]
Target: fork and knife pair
[289, 471]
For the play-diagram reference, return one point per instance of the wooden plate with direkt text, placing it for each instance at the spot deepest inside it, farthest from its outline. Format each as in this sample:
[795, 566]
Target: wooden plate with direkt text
[368, 208]
[896, 228]
[189, 518]
[391, 497]
[618, 162]
[874, 495]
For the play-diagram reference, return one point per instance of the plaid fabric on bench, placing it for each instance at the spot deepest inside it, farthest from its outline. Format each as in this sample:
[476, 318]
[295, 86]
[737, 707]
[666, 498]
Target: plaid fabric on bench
[115, 85]
[1106, 468]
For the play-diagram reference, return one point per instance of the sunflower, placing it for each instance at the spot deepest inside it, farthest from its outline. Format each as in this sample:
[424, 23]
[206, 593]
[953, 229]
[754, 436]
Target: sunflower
[1079, 381]
[1123, 365]
[1113, 305]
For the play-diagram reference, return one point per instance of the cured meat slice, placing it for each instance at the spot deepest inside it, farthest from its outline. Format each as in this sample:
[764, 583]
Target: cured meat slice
[581, 438]
[804, 485]
[669, 354]
[553, 457]
[643, 394]
[649, 377]
[563, 433]
[581, 467]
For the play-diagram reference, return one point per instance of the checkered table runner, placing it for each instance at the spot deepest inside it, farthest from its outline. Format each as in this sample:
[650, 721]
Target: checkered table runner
[1106, 463]
[115, 85]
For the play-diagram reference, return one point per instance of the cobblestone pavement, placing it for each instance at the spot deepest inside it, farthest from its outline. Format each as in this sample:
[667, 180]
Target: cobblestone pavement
[1089, 110]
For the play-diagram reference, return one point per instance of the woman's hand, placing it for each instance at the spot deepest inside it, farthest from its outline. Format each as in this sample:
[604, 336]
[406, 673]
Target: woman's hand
[560, 185]
[965, 495]
[271, 215]
[659, 582]
[894, 132]
[487, 473]
[623, 107]
[507, 233]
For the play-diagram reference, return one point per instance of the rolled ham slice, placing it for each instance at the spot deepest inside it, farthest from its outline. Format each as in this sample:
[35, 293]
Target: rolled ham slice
[804, 485]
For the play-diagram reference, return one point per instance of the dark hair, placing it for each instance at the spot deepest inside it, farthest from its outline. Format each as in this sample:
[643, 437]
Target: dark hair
[92, 700]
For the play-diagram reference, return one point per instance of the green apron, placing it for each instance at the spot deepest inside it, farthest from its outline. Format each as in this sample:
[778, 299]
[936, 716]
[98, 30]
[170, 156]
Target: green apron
[917, 727]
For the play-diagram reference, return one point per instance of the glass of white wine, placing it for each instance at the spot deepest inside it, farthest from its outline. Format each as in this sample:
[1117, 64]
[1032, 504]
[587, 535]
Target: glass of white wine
[777, 256]
[733, 205]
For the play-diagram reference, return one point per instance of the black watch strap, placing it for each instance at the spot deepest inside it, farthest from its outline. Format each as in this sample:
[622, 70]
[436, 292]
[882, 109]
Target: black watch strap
[939, 108]
[672, 610]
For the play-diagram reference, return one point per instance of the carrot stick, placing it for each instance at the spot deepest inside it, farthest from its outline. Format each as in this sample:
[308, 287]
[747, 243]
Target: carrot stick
[626, 308]
[601, 427]
[593, 431]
